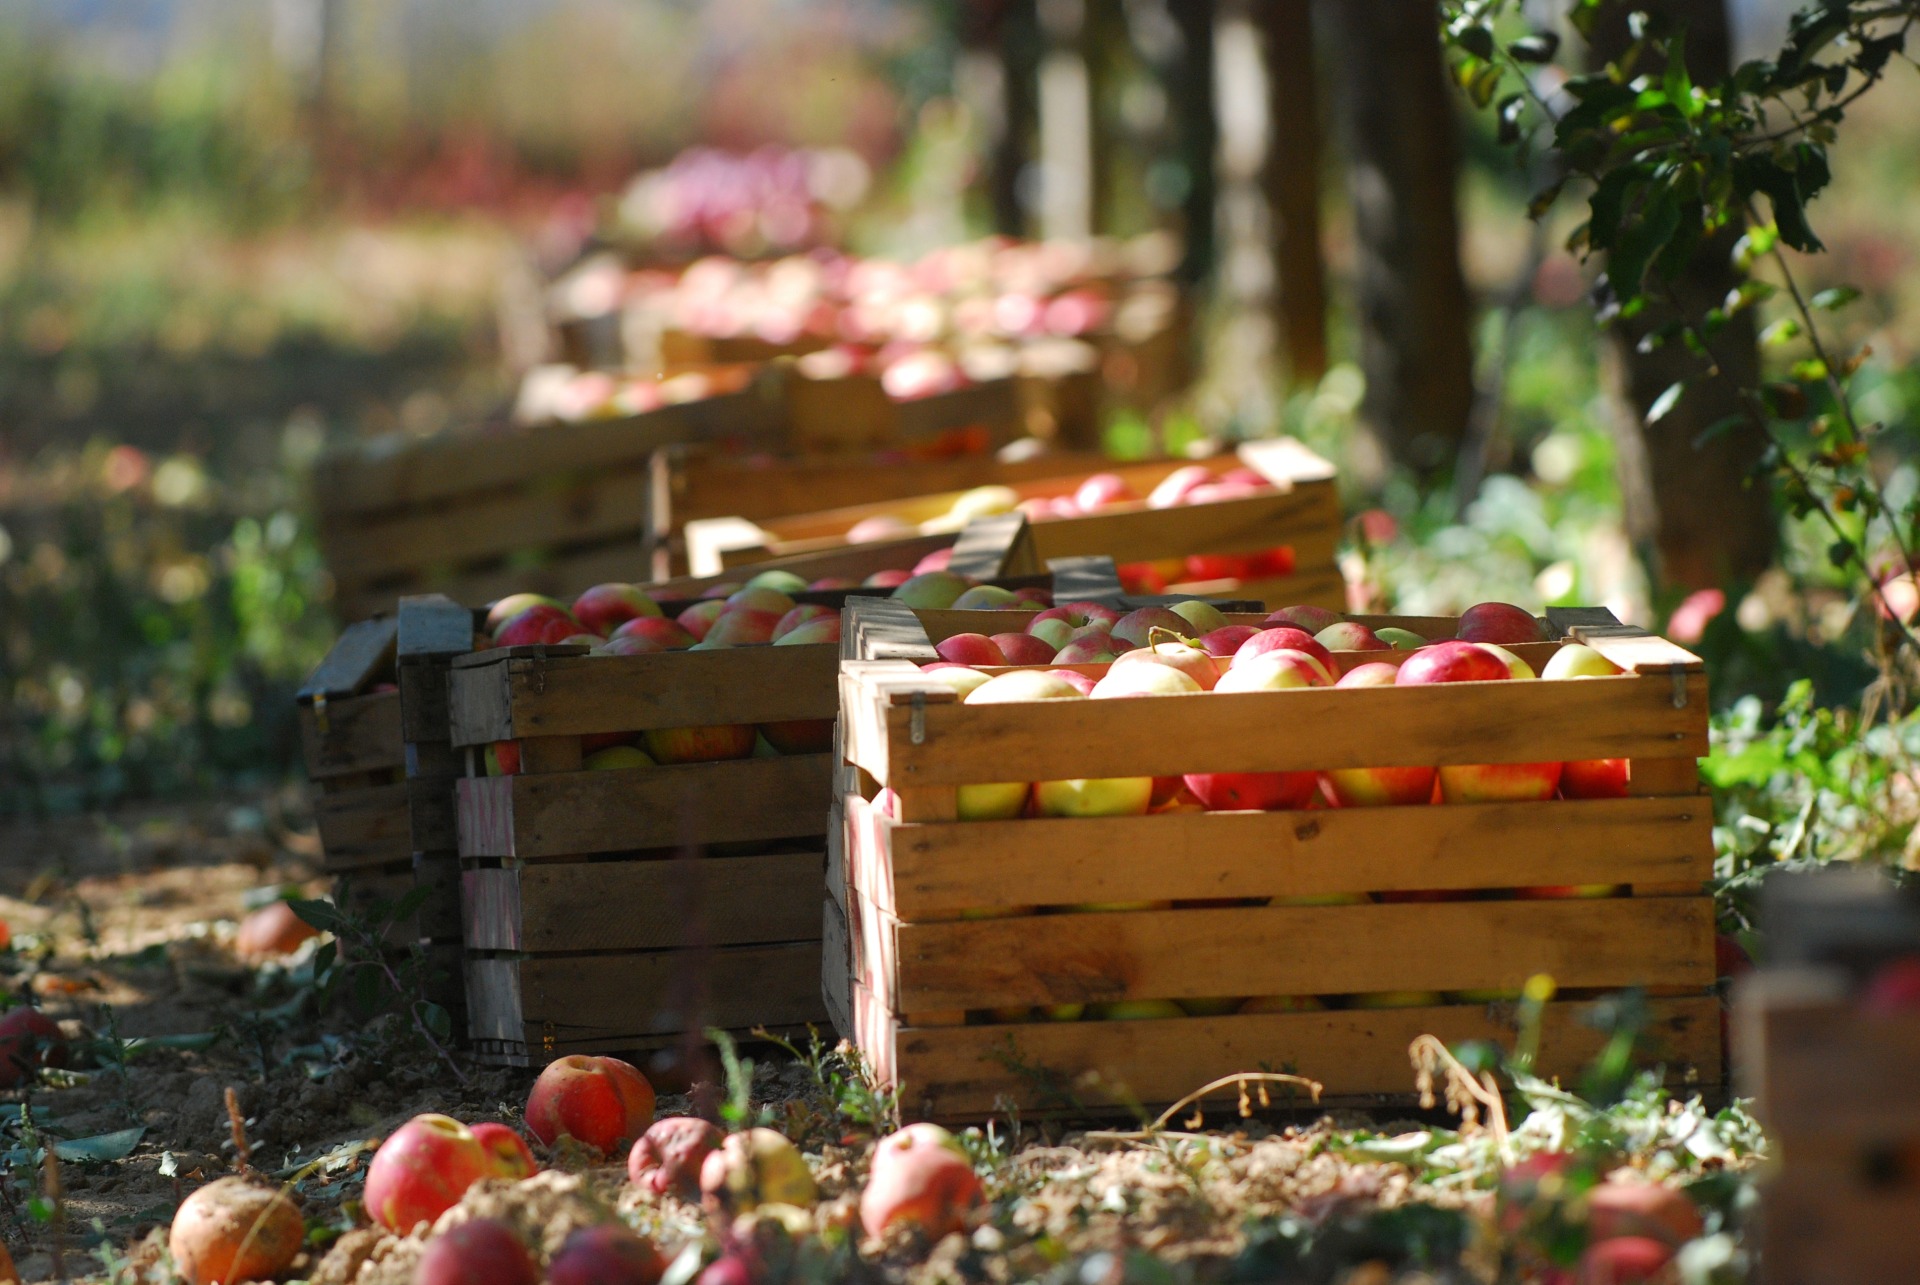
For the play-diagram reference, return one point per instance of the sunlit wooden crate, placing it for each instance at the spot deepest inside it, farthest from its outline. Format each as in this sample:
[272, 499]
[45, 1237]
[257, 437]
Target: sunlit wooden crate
[1302, 512]
[927, 935]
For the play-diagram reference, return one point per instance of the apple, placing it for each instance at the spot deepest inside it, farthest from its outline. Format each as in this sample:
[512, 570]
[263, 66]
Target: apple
[1349, 636]
[821, 629]
[1202, 617]
[507, 1152]
[1309, 619]
[970, 649]
[699, 618]
[1082, 683]
[1285, 637]
[422, 1170]
[1226, 640]
[800, 735]
[1136, 1010]
[232, 1229]
[1144, 680]
[1577, 660]
[514, 603]
[1400, 639]
[481, 1251]
[882, 527]
[1730, 958]
[615, 757]
[1024, 685]
[1090, 646]
[725, 589]
[1215, 566]
[1357, 787]
[1100, 490]
[800, 615]
[920, 1176]
[741, 626]
[755, 1168]
[1078, 614]
[269, 932]
[1190, 660]
[1282, 1004]
[1137, 627]
[985, 597]
[932, 590]
[995, 801]
[1618, 1208]
[889, 579]
[1396, 999]
[958, 677]
[1452, 662]
[1274, 671]
[600, 1101]
[582, 640]
[1024, 649]
[1516, 667]
[607, 606]
[658, 632]
[834, 582]
[1625, 1260]
[1054, 633]
[1252, 791]
[1499, 622]
[1172, 489]
[668, 1156]
[1094, 797]
[607, 1254]
[699, 744]
[780, 581]
[1034, 596]
[1499, 782]
[537, 625]
[938, 560]
[1594, 779]
[503, 758]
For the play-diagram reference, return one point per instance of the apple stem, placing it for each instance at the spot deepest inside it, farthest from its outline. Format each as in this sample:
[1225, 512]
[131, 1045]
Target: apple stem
[1158, 634]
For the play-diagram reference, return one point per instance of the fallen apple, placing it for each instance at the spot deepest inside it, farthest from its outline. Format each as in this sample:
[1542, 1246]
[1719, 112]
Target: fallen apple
[1617, 1208]
[481, 1251]
[270, 932]
[921, 1177]
[668, 1156]
[754, 1168]
[1624, 1260]
[422, 1170]
[599, 1101]
[607, 1254]
[508, 1155]
[234, 1229]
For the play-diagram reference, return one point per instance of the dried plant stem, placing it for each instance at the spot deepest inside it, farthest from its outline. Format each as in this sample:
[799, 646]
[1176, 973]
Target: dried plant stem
[242, 1153]
[1465, 1094]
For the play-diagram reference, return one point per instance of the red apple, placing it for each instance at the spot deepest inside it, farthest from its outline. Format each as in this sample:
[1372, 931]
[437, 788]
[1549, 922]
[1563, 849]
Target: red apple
[1499, 622]
[422, 1170]
[822, 629]
[800, 615]
[754, 1168]
[29, 1039]
[483, 1251]
[607, 606]
[1215, 566]
[1499, 782]
[506, 1150]
[1285, 638]
[1173, 488]
[1651, 1209]
[271, 931]
[536, 626]
[834, 582]
[668, 1156]
[657, 632]
[1310, 619]
[1023, 649]
[938, 560]
[970, 649]
[1594, 779]
[1275, 671]
[1730, 958]
[608, 1254]
[1100, 490]
[600, 1101]
[883, 527]
[1226, 641]
[1349, 635]
[760, 598]
[1083, 683]
[1626, 1260]
[1196, 664]
[699, 744]
[1893, 988]
[1138, 628]
[514, 603]
[1089, 647]
[889, 579]
[1077, 614]
[1452, 662]
[725, 589]
[503, 758]
[1357, 787]
[699, 618]
[740, 627]
[1252, 791]
[921, 1177]
[800, 735]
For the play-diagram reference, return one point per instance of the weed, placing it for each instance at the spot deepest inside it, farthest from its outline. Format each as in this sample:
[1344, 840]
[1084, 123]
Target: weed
[843, 1076]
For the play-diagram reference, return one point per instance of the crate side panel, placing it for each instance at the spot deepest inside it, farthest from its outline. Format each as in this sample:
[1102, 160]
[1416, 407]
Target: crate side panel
[352, 734]
[607, 997]
[644, 905]
[363, 828]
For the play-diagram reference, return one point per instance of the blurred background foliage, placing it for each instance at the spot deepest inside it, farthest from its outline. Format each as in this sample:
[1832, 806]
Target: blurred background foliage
[226, 243]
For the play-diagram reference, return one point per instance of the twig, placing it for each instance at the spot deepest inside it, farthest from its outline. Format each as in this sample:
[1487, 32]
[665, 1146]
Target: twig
[57, 1198]
[1243, 1078]
[242, 1153]
[1466, 1095]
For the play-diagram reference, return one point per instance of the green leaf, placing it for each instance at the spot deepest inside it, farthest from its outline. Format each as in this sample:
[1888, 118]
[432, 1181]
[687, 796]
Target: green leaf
[1833, 298]
[323, 915]
[1476, 40]
[1641, 240]
[1811, 370]
[437, 1021]
[1720, 427]
[101, 1147]
[1666, 401]
[1539, 47]
[1840, 553]
[1677, 84]
[1783, 331]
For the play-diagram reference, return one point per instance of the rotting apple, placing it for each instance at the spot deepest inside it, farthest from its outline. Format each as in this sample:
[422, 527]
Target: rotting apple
[754, 1168]
[668, 1156]
[602, 1102]
[482, 1251]
[234, 1229]
[507, 1152]
[920, 1176]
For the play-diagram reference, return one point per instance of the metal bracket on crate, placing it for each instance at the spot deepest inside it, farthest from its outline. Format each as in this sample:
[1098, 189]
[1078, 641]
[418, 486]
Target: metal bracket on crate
[320, 721]
[917, 720]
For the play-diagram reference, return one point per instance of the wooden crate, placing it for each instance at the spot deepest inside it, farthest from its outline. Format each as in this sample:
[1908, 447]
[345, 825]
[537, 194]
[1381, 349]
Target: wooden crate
[349, 715]
[1302, 512]
[917, 964]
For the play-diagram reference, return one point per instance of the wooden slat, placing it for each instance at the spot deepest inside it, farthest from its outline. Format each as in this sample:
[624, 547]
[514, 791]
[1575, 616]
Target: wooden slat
[352, 734]
[836, 969]
[986, 544]
[362, 828]
[992, 404]
[935, 871]
[1823, 1229]
[1223, 526]
[644, 905]
[967, 1072]
[1496, 722]
[1822, 1065]
[570, 813]
[568, 1001]
[434, 626]
[500, 699]
[561, 574]
[1182, 954]
[357, 659]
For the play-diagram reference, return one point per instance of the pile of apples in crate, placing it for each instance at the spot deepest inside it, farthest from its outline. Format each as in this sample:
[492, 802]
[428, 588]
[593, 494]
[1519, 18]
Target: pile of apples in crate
[455, 1183]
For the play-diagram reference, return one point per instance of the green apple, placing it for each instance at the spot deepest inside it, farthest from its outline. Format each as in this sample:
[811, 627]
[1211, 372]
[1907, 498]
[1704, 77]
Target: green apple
[1203, 616]
[1577, 660]
[1065, 1012]
[1400, 639]
[1054, 633]
[1136, 1010]
[932, 590]
[984, 502]
[1001, 801]
[960, 678]
[1119, 796]
[779, 581]
[615, 757]
[985, 597]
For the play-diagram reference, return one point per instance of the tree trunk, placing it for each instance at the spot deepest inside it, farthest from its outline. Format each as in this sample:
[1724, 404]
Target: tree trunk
[1012, 29]
[1698, 522]
[1292, 181]
[1402, 154]
[1197, 134]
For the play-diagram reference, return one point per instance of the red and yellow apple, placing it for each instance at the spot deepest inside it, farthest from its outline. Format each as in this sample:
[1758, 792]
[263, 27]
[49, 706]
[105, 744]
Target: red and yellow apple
[600, 1101]
[422, 1170]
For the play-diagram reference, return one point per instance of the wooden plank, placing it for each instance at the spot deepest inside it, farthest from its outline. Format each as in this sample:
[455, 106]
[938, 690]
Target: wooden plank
[434, 626]
[1827, 1229]
[643, 905]
[569, 813]
[1193, 953]
[496, 699]
[358, 658]
[364, 828]
[1495, 722]
[986, 544]
[352, 734]
[1297, 518]
[965, 1072]
[992, 404]
[1087, 579]
[836, 969]
[1823, 1065]
[568, 1000]
[934, 871]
